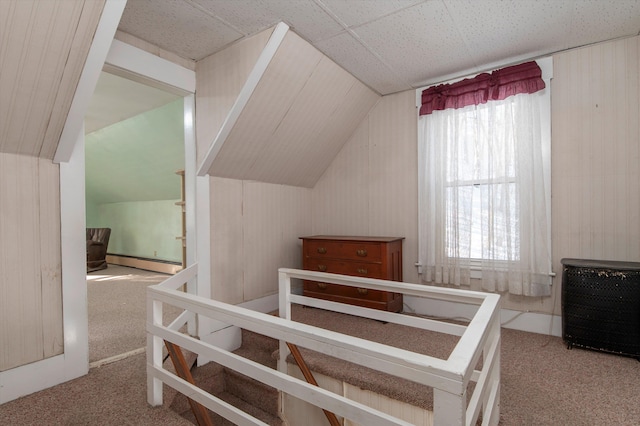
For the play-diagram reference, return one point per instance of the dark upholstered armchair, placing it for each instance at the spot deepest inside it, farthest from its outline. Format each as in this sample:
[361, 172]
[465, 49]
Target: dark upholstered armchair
[97, 242]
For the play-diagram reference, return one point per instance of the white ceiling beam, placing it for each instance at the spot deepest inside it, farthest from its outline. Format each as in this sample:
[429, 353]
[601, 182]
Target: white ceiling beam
[144, 67]
[105, 31]
[254, 78]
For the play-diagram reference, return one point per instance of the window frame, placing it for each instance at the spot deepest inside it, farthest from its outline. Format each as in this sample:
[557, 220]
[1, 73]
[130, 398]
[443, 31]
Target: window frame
[546, 66]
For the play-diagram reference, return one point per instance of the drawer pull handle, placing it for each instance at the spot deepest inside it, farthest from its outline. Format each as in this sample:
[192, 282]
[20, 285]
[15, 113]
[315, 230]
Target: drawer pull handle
[362, 291]
[322, 268]
[361, 253]
[362, 271]
[322, 286]
[322, 250]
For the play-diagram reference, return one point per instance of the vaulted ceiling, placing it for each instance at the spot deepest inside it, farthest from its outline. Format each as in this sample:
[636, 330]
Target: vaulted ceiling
[43, 48]
[391, 45]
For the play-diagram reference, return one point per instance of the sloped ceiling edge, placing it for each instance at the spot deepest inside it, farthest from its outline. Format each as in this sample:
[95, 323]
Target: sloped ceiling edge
[301, 113]
[46, 48]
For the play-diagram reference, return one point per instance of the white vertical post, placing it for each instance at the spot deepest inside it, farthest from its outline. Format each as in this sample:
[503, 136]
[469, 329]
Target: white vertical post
[190, 195]
[449, 409]
[491, 401]
[203, 250]
[74, 124]
[154, 353]
[284, 291]
[74, 266]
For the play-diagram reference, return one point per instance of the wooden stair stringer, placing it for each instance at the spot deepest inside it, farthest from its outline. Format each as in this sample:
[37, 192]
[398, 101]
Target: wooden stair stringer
[184, 371]
[259, 400]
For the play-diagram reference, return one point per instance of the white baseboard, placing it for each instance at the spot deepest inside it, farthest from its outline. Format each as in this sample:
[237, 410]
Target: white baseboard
[532, 322]
[34, 377]
[146, 264]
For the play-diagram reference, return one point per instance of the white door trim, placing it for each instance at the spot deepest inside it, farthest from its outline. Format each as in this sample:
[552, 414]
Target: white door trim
[74, 124]
[74, 362]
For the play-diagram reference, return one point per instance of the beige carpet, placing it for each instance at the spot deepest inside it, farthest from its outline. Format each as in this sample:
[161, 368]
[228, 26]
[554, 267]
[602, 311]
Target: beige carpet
[543, 384]
[117, 310]
[114, 394]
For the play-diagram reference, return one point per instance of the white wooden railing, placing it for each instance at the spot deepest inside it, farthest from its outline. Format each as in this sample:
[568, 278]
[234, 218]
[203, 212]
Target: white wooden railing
[448, 378]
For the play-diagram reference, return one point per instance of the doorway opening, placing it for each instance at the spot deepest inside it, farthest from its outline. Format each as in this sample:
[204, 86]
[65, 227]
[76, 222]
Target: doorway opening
[134, 188]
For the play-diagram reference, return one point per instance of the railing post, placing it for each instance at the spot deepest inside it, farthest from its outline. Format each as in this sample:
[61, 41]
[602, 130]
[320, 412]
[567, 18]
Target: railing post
[154, 352]
[192, 287]
[284, 305]
[489, 404]
[449, 409]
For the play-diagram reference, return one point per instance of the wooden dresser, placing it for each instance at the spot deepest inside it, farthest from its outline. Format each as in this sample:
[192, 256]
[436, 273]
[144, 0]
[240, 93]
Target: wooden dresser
[370, 257]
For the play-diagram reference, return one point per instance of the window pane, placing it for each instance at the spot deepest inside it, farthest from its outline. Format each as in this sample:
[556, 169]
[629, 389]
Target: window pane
[482, 222]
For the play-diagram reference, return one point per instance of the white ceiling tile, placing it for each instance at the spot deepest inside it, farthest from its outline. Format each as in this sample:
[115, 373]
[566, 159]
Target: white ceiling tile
[495, 30]
[177, 26]
[246, 16]
[306, 18]
[603, 20]
[350, 54]
[357, 12]
[250, 16]
[411, 42]
[418, 40]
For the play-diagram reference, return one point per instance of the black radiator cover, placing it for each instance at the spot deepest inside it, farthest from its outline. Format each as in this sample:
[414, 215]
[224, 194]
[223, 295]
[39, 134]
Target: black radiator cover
[601, 305]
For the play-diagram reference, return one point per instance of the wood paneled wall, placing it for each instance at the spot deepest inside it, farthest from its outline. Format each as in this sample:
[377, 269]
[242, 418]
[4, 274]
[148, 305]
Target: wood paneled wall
[596, 153]
[254, 231]
[44, 48]
[30, 262]
[245, 256]
[298, 118]
[306, 107]
[370, 188]
[219, 79]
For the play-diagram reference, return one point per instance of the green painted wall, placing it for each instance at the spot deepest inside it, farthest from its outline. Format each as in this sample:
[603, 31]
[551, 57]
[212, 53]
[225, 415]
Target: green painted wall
[136, 159]
[132, 185]
[143, 228]
[93, 220]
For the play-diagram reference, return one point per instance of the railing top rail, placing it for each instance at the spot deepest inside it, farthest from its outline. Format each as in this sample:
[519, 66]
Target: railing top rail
[402, 363]
[449, 376]
[440, 293]
[467, 351]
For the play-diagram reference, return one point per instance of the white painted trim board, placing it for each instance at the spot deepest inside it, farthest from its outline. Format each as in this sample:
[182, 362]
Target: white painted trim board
[100, 46]
[250, 85]
[74, 362]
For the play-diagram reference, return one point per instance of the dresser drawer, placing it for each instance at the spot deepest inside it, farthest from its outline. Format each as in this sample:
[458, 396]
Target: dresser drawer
[346, 291]
[363, 251]
[357, 269]
[366, 257]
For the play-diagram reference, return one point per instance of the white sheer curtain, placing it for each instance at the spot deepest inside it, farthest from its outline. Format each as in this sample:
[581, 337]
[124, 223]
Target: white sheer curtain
[483, 200]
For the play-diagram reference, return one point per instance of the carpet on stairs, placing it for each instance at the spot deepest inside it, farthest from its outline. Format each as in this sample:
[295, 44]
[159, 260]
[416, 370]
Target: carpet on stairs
[240, 391]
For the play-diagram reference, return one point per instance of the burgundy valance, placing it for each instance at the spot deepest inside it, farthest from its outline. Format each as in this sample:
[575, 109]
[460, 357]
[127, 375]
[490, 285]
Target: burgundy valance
[498, 85]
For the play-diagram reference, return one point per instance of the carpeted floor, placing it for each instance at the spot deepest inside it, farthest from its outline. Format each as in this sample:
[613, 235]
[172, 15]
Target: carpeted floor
[117, 310]
[114, 394]
[543, 383]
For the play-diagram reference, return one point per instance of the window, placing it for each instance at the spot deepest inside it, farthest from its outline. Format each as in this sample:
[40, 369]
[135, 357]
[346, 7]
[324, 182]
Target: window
[484, 187]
